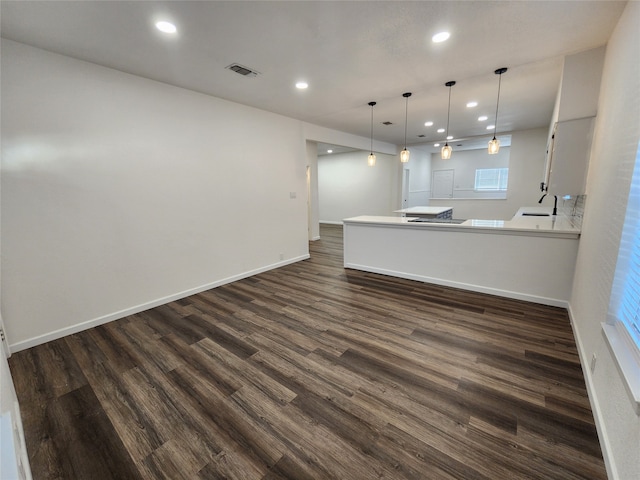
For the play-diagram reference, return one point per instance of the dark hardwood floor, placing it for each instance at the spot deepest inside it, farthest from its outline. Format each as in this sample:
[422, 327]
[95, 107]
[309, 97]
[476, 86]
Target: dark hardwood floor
[314, 372]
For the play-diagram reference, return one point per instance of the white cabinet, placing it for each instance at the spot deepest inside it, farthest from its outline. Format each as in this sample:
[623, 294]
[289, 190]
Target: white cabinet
[568, 157]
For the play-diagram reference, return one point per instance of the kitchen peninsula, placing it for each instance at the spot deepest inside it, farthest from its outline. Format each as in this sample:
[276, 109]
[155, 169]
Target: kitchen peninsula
[528, 257]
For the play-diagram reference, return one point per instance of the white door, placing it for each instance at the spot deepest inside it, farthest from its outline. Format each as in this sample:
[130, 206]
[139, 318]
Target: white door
[442, 184]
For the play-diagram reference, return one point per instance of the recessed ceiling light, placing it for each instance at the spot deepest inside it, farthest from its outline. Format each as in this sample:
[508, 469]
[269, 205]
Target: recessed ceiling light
[490, 127]
[166, 27]
[440, 37]
[450, 137]
[472, 104]
[482, 118]
[428, 124]
[436, 144]
[302, 85]
[440, 130]
[329, 151]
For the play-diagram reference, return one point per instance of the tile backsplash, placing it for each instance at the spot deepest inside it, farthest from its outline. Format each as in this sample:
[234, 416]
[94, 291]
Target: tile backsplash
[573, 208]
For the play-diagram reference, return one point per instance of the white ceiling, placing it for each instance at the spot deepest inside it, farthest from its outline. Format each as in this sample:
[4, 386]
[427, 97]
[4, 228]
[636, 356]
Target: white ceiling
[350, 53]
[324, 148]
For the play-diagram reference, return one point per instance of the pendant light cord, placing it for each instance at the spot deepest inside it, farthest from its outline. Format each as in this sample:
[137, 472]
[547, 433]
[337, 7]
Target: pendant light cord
[495, 124]
[371, 104]
[406, 116]
[498, 72]
[448, 84]
[372, 128]
[448, 114]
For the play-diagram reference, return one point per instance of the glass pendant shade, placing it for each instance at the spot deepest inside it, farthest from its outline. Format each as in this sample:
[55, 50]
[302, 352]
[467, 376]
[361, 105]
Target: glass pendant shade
[404, 156]
[494, 146]
[446, 152]
[371, 160]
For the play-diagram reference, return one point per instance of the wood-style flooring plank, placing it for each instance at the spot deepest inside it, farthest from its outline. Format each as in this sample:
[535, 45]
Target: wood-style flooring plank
[313, 372]
[88, 445]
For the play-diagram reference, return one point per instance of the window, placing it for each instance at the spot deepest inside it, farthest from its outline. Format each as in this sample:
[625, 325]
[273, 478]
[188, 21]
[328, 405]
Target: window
[626, 287]
[623, 326]
[629, 307]
[492, 179]
[477, 174]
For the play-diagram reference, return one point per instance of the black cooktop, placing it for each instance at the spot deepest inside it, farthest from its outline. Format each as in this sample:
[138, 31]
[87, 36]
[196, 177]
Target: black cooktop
[438, 220]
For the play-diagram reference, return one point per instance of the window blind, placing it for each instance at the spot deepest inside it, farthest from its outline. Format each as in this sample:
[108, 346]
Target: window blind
[491, 179]
[626, 287]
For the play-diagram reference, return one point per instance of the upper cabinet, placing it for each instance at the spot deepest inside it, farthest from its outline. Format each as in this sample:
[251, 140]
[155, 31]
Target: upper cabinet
[568, 157]
[569, 145]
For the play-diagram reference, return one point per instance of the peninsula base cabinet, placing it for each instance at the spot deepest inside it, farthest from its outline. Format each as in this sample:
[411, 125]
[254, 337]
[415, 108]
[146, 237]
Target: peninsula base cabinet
[525, 266]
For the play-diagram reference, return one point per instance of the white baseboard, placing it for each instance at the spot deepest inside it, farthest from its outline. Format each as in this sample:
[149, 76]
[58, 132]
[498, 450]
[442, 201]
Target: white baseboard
[330, 222]
[313, 239]
[554, 302]
[79, 327]
[605, 444]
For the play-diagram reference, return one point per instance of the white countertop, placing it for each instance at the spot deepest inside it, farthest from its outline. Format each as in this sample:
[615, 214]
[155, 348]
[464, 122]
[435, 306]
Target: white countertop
[518, 225]
[424, 210]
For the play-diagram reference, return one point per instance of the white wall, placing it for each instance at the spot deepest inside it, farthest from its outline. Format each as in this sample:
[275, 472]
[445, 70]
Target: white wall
[348, 187]
[313, 209]
[119, 193]
[327, 135]
[314, 134]
[464, 163]
[526, 169]
[616, 139]
[419, 166]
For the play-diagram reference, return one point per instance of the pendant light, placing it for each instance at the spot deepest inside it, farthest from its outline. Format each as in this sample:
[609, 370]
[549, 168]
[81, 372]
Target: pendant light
[371, 160]
[446, 150]
[494, 144]
[404, 154]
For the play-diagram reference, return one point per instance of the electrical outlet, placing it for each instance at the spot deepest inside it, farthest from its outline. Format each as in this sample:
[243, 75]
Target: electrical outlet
[282, 256]
[593, 362]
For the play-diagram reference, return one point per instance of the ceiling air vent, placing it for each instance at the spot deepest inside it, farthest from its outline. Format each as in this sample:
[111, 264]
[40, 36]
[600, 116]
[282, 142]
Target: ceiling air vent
[242, 70]
[387, 123]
